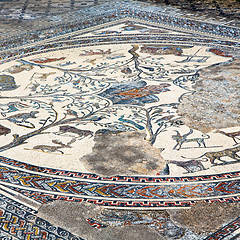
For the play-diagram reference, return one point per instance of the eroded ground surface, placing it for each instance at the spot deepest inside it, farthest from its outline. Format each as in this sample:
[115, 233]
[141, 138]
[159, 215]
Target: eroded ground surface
[112, 152]
[215, 104]
[119, 126]
[195, 223]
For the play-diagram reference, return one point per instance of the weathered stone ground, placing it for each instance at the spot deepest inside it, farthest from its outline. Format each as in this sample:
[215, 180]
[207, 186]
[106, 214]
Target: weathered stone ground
[113, 152]
[214, 105]
[216, 102]
[206, 217]
[201, 220]
[18, 16]
[229, 9]
[73, 216]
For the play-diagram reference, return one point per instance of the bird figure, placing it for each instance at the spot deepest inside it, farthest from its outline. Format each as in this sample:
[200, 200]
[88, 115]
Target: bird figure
[72, 113]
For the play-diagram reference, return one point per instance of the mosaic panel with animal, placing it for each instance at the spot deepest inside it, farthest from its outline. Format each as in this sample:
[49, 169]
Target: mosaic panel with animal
[67, 98]
[129, 118]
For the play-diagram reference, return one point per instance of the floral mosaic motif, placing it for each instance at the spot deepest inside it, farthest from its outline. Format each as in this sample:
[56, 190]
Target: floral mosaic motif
[136, 93]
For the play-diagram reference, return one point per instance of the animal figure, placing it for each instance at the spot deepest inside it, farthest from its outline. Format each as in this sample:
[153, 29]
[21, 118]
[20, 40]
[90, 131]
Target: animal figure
[41, 76]
[21, 119]
[232, 135]
[191, 165]
[46, 60]
[13, 107]
[79, 132]
[176, 122]
[229, 152]
[99, 52]
[66, 63]
[36, 80]
[47, 148]
[92, 61]
[18, 68]
[4, 130]
[107, 131]
[180, 139]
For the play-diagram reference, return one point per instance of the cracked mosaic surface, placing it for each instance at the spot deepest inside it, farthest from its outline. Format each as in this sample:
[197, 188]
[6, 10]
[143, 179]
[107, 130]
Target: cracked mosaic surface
[125, 114]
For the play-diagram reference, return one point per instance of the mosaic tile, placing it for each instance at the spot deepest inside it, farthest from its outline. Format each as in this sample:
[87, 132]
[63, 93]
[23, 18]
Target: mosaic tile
[121, 115]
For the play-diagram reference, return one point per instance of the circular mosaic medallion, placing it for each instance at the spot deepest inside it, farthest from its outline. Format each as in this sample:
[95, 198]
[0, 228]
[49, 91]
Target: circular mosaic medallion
[134, 113]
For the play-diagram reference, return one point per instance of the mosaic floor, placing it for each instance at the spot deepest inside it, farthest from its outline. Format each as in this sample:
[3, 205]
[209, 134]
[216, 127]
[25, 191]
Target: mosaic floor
[119, 121]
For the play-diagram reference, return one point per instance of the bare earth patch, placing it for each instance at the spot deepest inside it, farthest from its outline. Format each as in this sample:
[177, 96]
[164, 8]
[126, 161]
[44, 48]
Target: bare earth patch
[124, 153]
[73, 217]
[216, 102]
[205, 217]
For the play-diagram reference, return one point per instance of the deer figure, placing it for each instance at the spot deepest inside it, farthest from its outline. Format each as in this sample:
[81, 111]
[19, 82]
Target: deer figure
[47, 148]
[21, 119]
[180, 139]
[218, 155]
[74, 130]
[232, 135]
